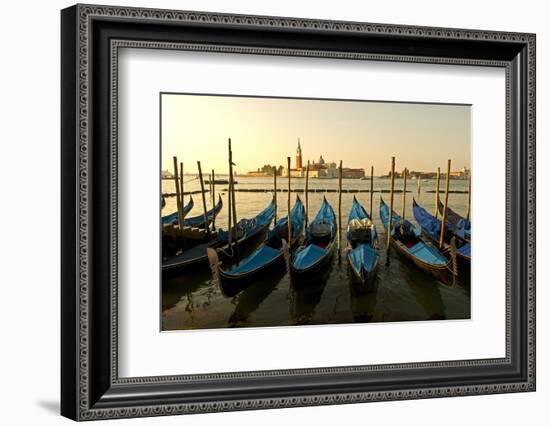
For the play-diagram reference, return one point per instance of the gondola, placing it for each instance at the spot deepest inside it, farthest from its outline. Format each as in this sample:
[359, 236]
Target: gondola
[248, 233]
[431, 228]
[461, 226]
[311, 260]
[172, 218]
[363, 246]
[407, 242]
[268, 256]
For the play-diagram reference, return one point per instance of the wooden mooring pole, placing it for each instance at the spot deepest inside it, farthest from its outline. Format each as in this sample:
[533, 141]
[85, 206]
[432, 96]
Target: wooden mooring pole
[181, 191]
[437, 192]
[388, 241]
[404, 200]
[339, 236]
[444, 215]
[307, 194]
[205, 209]
[469, 197]
[178, 196]
[275, 193]
[288, 204]
[229, 197]
[213, 200]
[371, 189]
[233, 205]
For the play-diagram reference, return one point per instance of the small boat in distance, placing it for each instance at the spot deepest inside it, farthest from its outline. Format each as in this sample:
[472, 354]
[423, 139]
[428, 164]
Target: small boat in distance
[235, 277]
[248, 233]
[311, 260]
[172, 218]
[462, 227]
[363, 251]
[407, 242]
[431, 228]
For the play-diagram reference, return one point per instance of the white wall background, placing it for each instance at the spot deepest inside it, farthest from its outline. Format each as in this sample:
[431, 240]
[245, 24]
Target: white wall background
[29, 213]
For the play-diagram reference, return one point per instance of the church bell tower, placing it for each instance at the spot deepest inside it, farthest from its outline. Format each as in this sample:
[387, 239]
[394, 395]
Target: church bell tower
[299, 156]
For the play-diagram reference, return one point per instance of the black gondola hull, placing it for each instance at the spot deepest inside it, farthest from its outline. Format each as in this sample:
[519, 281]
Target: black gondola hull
[316, 273]
[442, 273]
[363, 280]
[463, 262]
[232, 284]
[245, 245]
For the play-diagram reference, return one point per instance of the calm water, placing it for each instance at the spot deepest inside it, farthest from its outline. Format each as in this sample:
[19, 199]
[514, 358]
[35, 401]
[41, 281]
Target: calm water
[403, 293]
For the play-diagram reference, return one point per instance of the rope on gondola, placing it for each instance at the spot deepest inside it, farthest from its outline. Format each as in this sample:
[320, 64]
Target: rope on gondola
[229, 253]
[451, 251]
[286, 255]
[454, 262]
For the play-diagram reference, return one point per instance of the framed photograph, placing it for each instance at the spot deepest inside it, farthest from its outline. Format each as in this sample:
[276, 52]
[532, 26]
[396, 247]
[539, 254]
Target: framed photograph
[263, 212]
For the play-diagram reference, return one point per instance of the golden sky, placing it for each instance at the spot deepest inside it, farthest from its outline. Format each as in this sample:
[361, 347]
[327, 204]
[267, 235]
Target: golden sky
[265, 131]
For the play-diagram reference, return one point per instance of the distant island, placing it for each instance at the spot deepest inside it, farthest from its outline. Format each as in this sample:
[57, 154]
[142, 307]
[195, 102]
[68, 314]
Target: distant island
[463, 174]
[320, 169]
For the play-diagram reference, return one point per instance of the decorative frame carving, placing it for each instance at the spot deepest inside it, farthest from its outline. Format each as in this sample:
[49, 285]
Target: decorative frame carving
[85, 396]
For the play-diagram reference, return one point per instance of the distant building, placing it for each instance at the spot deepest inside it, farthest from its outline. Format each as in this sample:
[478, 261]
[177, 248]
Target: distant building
[353, 173]
[463, 173]
[266, 170]
[320, 169]
[256, 174]
[165, 174]
[299, 156]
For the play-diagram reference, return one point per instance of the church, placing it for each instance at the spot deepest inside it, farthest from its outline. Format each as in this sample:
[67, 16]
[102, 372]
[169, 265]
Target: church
[319, 169]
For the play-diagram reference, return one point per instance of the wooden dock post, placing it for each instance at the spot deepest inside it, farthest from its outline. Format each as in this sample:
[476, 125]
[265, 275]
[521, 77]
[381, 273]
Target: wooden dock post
[437, 192]
[469, 197]
[178, 196]
[181, 190]
[233, 205]
[229, 197]
[307, 194]
[444, 215]
[418, 184]
[210, 186]
[371, 189]
[388, 241]
[205, 209]
[275, 193]
[404, 199]
[233, 200]
[339, 205]
[213, 184]
[288, 204]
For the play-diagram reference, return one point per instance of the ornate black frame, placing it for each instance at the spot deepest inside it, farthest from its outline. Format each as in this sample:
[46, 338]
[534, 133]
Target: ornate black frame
[91, 388]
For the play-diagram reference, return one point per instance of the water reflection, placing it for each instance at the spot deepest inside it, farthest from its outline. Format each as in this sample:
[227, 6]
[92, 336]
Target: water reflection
[427, 295]
[248, 300]
[183, 286]
[362, 302]
[303, 302]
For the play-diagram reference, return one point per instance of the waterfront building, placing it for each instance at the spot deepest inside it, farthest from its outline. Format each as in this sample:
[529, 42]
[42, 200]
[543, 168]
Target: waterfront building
[299, 156]
[320, 169]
